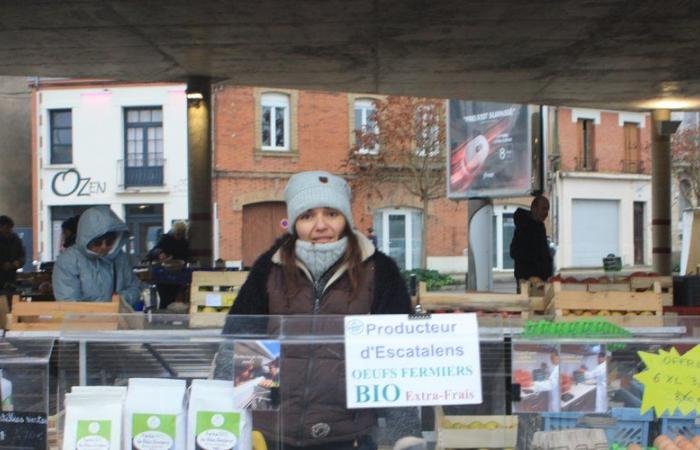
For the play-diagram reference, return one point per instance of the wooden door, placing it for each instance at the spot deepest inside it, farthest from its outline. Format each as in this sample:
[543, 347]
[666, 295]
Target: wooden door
[262, 224]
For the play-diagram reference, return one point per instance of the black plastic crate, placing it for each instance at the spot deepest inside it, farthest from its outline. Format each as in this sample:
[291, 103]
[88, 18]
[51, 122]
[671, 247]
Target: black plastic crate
[686, 290]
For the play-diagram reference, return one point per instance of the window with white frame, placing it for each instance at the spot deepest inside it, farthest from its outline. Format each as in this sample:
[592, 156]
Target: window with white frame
[275, 122]
[366, 127]
[399, 235]
[61, 128]
[503, 229]
[144, 147]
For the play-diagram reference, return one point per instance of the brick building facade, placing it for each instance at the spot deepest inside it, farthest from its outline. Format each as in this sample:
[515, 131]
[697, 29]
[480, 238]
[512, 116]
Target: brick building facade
[598, 181]
[263, 136]
[600, 186]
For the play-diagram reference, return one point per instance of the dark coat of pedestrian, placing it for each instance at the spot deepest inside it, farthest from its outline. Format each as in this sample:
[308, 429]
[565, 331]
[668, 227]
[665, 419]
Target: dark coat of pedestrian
[529, 247]
[172, 245]
[12, 253]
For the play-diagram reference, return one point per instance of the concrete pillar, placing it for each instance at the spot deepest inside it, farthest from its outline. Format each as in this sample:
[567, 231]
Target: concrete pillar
[15, 145]
[480, 252]
[661, 192]
[200, 165]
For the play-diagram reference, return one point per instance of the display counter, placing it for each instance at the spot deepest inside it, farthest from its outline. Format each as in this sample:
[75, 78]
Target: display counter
[24, 390]
[284, 378]
[274, 364]
[638, 385]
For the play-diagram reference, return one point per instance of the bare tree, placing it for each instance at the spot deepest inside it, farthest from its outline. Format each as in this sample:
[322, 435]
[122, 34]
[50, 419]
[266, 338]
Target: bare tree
[402, 144]
[685, 154]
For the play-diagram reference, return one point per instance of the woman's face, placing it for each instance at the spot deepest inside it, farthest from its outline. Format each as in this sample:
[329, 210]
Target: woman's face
[102, 246]
[320, 225]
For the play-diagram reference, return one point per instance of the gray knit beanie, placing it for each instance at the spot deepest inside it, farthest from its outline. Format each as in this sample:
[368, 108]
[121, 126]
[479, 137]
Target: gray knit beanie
[308, 190]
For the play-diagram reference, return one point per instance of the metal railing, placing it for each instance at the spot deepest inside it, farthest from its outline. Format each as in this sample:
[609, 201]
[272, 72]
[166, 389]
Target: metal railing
[134, 176]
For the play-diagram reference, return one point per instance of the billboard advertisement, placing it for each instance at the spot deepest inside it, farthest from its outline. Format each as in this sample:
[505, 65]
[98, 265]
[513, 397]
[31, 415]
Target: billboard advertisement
[490, 151]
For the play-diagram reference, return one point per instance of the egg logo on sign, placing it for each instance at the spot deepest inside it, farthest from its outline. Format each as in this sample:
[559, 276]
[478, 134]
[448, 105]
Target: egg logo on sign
[153, 422]
[355, 327]
[217, 420]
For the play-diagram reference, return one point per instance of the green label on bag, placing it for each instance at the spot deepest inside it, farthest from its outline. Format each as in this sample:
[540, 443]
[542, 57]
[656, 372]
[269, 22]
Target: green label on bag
[153, 431]
[217, 430]
[93, 435]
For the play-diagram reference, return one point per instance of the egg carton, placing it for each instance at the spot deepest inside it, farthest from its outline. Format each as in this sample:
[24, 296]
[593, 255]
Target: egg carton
[623, 426]
[474, 431]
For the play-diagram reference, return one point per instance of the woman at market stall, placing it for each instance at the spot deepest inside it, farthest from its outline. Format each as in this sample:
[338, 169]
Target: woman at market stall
[96, 267]
[322, 266]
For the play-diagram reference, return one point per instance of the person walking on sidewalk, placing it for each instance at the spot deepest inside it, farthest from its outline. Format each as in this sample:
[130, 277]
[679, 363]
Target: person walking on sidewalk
[529, 247]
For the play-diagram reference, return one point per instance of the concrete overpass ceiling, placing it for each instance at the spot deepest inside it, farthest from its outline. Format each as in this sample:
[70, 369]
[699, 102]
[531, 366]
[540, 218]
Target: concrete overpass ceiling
[597, 53]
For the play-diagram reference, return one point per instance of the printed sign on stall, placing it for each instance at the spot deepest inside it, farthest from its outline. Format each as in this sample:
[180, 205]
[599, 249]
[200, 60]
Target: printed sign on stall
[671, 381]
[396, 360]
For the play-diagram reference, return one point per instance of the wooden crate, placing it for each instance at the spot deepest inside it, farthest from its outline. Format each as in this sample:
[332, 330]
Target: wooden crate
[666, 283]
[27, 315]
[536, 293]
[473, 301]
[455, 431]
[616, 306]
[625, 284]
[4, 310]
[618, 286]
[53, 436]
[215, 290]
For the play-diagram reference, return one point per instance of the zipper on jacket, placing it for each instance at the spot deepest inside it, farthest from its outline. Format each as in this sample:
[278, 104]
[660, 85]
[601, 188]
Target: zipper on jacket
[318, 293]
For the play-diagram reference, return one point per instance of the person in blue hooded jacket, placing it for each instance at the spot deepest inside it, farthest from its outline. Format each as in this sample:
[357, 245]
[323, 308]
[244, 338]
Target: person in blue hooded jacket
[96, 266]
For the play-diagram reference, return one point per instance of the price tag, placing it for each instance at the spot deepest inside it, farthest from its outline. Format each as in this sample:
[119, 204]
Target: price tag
[671, 381]
[23, 430]
[214, 300]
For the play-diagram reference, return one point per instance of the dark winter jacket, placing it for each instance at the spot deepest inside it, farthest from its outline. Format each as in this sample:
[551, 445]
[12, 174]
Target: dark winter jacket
[529, 247]
[175, 248]
[312, 385]
[11, 251]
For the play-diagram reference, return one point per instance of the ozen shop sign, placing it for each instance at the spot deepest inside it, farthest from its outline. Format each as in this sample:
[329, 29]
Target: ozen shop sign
[69, 182]
[399, 360]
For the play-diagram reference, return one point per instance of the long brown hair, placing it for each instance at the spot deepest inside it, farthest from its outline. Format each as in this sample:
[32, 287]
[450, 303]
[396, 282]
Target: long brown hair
[352, 257]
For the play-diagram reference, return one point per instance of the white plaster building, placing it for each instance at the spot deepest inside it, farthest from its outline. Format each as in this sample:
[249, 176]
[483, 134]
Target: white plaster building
[599, 187]
[596, 213]
[102, 143]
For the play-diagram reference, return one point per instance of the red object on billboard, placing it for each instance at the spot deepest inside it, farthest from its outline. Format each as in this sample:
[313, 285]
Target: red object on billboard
[468, 159]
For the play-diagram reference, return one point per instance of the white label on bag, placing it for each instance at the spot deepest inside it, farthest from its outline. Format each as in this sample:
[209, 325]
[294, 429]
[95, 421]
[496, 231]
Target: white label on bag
[213, 300]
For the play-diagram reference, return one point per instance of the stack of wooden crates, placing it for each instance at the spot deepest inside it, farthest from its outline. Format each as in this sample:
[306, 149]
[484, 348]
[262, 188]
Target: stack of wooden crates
[28, 315]
[637, 301]
[211, 296]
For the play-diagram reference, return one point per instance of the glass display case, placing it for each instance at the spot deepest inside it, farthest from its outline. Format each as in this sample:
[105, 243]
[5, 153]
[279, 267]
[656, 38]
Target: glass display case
[632, 387]
[282, 379]
[153, 380]
[24, 390]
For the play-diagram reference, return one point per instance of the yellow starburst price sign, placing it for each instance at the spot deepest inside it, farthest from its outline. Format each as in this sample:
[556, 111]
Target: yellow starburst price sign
[671, 381]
